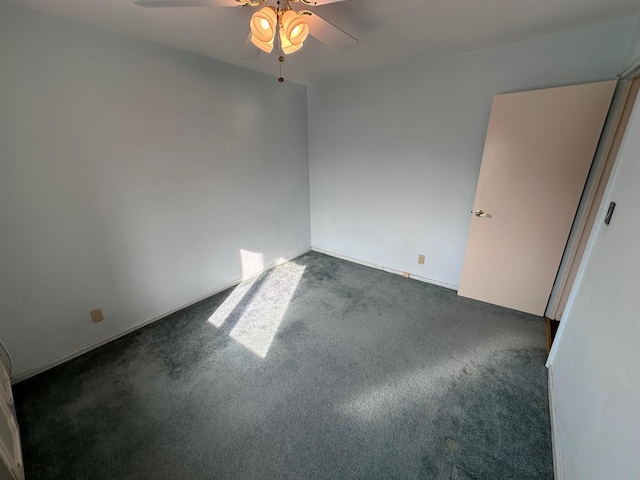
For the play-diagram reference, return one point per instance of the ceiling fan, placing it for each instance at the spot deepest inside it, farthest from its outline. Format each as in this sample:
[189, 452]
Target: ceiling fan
[281, 25]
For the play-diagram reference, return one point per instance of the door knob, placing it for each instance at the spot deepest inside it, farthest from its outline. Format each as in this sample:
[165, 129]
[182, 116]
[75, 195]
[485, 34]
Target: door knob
[480, 213]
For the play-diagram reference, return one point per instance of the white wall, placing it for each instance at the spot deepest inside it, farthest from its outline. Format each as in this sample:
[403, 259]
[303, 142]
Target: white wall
[131, 176]
[395, 155]
[632, 58]
[595, 358]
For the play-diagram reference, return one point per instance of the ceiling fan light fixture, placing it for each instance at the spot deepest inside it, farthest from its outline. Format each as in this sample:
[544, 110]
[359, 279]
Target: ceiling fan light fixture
[263, 25]
[287, 46]
[295, 27]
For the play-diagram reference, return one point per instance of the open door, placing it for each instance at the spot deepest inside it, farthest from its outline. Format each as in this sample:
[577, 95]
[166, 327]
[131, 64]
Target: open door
[537, 155]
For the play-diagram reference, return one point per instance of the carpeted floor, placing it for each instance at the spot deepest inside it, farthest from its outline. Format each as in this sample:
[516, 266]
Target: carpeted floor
[318, 369]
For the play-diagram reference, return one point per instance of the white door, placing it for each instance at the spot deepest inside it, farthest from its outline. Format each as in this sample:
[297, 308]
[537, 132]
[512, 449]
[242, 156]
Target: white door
[537, 155]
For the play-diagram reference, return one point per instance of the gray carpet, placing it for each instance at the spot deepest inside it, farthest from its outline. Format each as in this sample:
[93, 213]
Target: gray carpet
[318, 369]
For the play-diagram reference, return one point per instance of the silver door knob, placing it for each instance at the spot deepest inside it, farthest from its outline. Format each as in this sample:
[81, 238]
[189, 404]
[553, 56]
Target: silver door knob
[480, 213]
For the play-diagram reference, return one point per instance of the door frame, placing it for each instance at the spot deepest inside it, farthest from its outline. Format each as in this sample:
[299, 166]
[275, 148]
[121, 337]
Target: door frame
[615, 127]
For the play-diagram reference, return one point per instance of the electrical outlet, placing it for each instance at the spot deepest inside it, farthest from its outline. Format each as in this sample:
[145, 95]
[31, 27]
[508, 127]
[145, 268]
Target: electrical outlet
[421, 259]
[97, 315]
[405, 274]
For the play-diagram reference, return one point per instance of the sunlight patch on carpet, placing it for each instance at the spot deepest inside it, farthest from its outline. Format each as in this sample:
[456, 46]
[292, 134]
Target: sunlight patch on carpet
[425, 385]
[231, 302]
[260, 321]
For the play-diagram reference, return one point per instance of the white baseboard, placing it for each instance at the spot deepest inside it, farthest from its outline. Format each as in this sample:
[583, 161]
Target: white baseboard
[386, 269]
[555, 444]
[120, 333]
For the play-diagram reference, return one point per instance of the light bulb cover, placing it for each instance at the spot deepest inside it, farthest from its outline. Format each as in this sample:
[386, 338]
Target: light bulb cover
[263, 24]
[287, 46]
[266, 47]
[295, 27]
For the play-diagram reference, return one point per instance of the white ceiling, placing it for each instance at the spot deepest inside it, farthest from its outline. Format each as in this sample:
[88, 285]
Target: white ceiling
[391, 32]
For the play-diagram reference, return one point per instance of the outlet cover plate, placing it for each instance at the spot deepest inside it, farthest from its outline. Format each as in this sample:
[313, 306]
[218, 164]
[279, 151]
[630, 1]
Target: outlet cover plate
[97, 315]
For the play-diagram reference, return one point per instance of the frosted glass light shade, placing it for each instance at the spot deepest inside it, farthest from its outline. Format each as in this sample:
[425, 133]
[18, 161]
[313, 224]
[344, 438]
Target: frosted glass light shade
[295, 27]
[287, 46]
[266, 47]
[263, 24]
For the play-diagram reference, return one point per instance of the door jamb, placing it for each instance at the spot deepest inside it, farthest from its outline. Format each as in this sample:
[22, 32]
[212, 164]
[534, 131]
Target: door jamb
[574, 253]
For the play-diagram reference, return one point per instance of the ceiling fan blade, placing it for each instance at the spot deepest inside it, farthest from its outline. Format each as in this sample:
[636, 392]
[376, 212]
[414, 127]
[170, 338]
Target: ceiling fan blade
[318, 3]
[328, 33]
[186, 3]
[249, 50]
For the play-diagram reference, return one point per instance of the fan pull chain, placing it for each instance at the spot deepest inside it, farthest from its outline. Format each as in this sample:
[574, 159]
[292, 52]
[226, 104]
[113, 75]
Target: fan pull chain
[281, 57]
